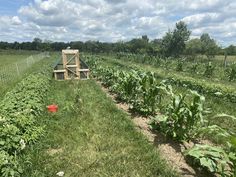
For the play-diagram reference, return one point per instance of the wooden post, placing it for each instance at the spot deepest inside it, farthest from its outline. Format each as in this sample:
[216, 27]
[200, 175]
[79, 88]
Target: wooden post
[17, 70]
[77, 64]
[225, 63]
[64, 60]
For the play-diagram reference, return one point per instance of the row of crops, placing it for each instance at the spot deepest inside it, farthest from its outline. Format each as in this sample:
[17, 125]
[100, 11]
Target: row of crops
[224, 92]
[201, 68]
[18, 120]
[181, 117]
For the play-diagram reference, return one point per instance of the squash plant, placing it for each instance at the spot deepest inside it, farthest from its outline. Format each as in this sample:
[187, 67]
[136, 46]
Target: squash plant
[214, 159]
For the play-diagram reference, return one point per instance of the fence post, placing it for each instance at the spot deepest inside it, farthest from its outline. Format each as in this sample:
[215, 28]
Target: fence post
[17, 70]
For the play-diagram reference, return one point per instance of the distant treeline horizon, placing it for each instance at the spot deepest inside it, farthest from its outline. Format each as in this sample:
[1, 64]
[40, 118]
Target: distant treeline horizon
[174, 43]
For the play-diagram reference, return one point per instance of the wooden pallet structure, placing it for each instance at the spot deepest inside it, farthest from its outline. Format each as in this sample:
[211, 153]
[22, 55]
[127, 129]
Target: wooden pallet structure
[70, 66]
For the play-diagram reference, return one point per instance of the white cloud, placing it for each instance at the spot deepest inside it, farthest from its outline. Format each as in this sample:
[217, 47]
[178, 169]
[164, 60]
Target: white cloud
[111, 20]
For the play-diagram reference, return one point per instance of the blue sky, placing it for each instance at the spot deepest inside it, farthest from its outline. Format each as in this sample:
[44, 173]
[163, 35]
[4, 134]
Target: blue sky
[112, 20]
[10, 7]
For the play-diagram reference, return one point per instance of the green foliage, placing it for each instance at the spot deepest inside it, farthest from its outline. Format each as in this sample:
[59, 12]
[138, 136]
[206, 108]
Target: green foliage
[215, 132]
[227, 93]
[179, 66]
[209, 69]
[230, 50]
[214, 159]
[18, 126]
[209, 46]
[173, 43]
[231, 72]
[193, 47]
[182, 119]
[193, 68]
[140, 89]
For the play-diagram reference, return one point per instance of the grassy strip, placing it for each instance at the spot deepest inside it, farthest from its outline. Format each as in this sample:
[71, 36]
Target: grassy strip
[92, 138]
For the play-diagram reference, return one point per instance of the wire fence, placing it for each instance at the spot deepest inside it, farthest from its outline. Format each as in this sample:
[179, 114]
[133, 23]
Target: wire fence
[15, 70]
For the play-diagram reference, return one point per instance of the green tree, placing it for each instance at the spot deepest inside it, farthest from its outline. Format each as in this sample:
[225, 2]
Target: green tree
[230, 50]
[36, 44]
[193, 47]
[166, 44]
[173, 43]
[209, 46]
[139, 45]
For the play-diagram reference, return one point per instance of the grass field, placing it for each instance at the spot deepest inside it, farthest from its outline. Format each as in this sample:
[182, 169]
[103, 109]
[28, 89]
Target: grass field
[229, 58]
[8, 58]
[91, 137]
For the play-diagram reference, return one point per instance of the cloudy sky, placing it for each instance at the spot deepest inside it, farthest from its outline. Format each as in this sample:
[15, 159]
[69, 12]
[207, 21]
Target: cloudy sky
[114, 20]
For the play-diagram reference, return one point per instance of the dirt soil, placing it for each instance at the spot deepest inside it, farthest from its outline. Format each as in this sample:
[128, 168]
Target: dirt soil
[170, 150]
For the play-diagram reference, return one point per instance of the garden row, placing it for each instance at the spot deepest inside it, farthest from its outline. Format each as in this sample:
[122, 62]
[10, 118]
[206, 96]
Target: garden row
[183, 117]
[202, 68]
[18, 120]
[224, 92]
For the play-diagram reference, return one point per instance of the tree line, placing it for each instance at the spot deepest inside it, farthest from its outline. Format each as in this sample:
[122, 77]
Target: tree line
[173, 44]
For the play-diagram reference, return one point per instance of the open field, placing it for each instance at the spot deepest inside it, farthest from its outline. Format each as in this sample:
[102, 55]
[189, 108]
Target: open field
[8, 57]
[222, 57]
[15, 66]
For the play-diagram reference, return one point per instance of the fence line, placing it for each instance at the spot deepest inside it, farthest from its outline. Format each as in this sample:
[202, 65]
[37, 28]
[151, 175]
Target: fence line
[15, 70]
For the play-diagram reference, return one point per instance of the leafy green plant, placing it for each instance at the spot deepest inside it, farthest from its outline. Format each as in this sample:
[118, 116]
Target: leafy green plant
[215, 132]
[214, 159]
[231, 72]
[179, 66]
[194, 68]
[181, 119]
[232, 153]
[209, 69]
[166, 64]
[18, 127]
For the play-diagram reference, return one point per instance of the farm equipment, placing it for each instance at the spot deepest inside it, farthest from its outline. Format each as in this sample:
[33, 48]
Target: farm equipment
[70, 66]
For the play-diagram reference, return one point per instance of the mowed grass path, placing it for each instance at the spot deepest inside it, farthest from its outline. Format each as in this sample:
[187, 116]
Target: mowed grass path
[91, 138]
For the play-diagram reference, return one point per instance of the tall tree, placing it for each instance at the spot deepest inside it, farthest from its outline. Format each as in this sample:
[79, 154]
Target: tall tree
[193, 47]
[173, 43]
[209, 46]
[180, 36]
